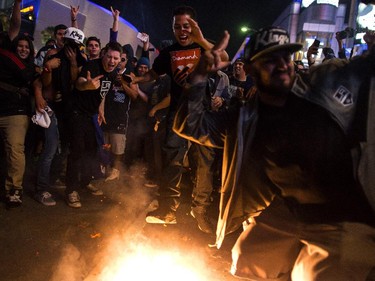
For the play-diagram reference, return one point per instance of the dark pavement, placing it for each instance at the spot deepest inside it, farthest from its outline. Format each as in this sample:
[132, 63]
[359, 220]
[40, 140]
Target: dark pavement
[61, 243]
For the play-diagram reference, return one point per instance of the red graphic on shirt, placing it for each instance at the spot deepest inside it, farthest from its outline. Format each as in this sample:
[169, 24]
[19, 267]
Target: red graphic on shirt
[183, 63]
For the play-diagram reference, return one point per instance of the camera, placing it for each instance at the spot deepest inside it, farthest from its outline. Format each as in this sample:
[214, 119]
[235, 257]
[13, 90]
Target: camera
[341, 35]
[347, 33]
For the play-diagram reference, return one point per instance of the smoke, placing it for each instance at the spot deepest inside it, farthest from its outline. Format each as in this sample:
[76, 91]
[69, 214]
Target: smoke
[72, 266]
[114, 244]
[126, 203]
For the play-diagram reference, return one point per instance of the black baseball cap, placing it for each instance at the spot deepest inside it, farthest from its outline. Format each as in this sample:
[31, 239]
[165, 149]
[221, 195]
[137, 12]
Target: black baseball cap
[239, 60]
[267, 40]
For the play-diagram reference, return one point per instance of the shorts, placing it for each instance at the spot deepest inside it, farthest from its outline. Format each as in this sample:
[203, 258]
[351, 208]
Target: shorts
[117, 142]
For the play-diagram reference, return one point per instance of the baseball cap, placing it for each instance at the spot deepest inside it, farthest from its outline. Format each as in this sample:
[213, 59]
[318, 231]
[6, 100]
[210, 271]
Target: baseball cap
[74, 34]
[240, 60]
[268, 40]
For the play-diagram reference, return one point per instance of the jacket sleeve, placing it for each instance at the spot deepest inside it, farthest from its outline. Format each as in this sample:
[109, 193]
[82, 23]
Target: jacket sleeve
[112, 35]
[194, 122]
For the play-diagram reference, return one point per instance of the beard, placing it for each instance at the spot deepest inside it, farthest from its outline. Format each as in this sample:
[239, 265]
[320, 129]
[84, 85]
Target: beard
[271, 87]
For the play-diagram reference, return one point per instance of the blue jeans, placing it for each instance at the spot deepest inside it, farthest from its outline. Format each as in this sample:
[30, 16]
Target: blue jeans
[51, 142]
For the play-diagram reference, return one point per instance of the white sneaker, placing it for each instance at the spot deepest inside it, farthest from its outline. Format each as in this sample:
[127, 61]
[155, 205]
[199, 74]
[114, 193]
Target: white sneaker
[115, 175]
[73, 200]
[94, 190]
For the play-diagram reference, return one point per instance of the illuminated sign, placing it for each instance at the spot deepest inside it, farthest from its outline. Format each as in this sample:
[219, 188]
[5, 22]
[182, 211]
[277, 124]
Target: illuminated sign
[331, 2]
[306, 3]
[366, 15]
[27, 9]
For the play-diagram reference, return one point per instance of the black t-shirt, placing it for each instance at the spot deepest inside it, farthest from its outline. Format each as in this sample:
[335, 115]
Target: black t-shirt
[302, 154]
[88, 101]
[235, 84]
[177, 61]
[116, 111]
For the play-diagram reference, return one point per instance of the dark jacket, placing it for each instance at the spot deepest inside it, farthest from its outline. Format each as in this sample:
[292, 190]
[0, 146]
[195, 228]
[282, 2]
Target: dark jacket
[340, 88]
[16, 77]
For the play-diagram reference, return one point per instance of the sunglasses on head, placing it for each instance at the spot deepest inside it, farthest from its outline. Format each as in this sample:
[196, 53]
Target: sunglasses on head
[123, 59]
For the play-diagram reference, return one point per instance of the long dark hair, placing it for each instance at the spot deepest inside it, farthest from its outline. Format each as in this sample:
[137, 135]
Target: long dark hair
[24, 37]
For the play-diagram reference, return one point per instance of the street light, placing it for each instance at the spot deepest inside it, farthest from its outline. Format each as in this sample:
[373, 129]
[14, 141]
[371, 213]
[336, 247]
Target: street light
[245, 29]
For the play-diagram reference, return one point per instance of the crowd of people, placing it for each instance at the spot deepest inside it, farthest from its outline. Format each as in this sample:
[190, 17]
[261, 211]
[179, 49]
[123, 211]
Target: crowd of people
[107, 110]
[293, 145]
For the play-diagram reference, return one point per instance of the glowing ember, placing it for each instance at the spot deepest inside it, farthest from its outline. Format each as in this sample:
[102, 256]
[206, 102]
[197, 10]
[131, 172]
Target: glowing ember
[150, 264]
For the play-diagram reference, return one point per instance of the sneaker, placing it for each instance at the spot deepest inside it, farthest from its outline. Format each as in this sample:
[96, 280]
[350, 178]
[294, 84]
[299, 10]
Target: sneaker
[94, 190]
[73, 200]
[45, 198]
[203, 221]
[114, 175]
[157, 217]
[14, 198]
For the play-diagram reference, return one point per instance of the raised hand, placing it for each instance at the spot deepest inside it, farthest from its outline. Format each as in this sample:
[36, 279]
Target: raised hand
[73, 12]
[92, 83]
[196, 33]
[115, 14]
[211, 60]
[312, 50]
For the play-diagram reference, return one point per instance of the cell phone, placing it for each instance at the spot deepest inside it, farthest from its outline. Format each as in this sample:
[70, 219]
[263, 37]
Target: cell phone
[316, 43]
[127, 78]
[142, 37]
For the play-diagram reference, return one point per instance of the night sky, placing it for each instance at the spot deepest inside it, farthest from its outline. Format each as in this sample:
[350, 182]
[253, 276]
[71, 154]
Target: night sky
[214, 16]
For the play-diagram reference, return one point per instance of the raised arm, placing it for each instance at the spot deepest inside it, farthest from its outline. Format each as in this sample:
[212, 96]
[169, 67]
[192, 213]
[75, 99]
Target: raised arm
[113, 32]
[341, 51]
[312, 50]
[15, 20]
[211, 61]
[197, 36]
[73, 16]
[145, 39]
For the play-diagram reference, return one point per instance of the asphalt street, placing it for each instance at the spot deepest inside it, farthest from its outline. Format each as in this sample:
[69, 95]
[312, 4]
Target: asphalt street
[108, 238]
